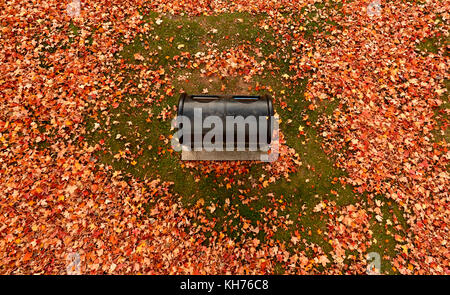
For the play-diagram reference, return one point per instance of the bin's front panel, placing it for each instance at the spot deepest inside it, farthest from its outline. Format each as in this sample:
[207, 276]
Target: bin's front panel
[199, 107]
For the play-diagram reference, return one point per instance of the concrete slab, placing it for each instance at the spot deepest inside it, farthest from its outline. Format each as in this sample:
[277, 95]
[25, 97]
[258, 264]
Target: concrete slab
[223, 156]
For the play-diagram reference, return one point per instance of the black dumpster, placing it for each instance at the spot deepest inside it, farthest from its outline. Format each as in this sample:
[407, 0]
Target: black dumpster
[244, 121]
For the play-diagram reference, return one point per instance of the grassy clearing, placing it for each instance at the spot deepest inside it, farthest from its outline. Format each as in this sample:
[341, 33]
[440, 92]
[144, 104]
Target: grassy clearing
[136, 140]
[434, 45]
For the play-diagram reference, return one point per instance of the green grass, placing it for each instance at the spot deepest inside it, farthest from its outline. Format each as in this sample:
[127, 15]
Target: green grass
[433, 44]
[135, 120]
